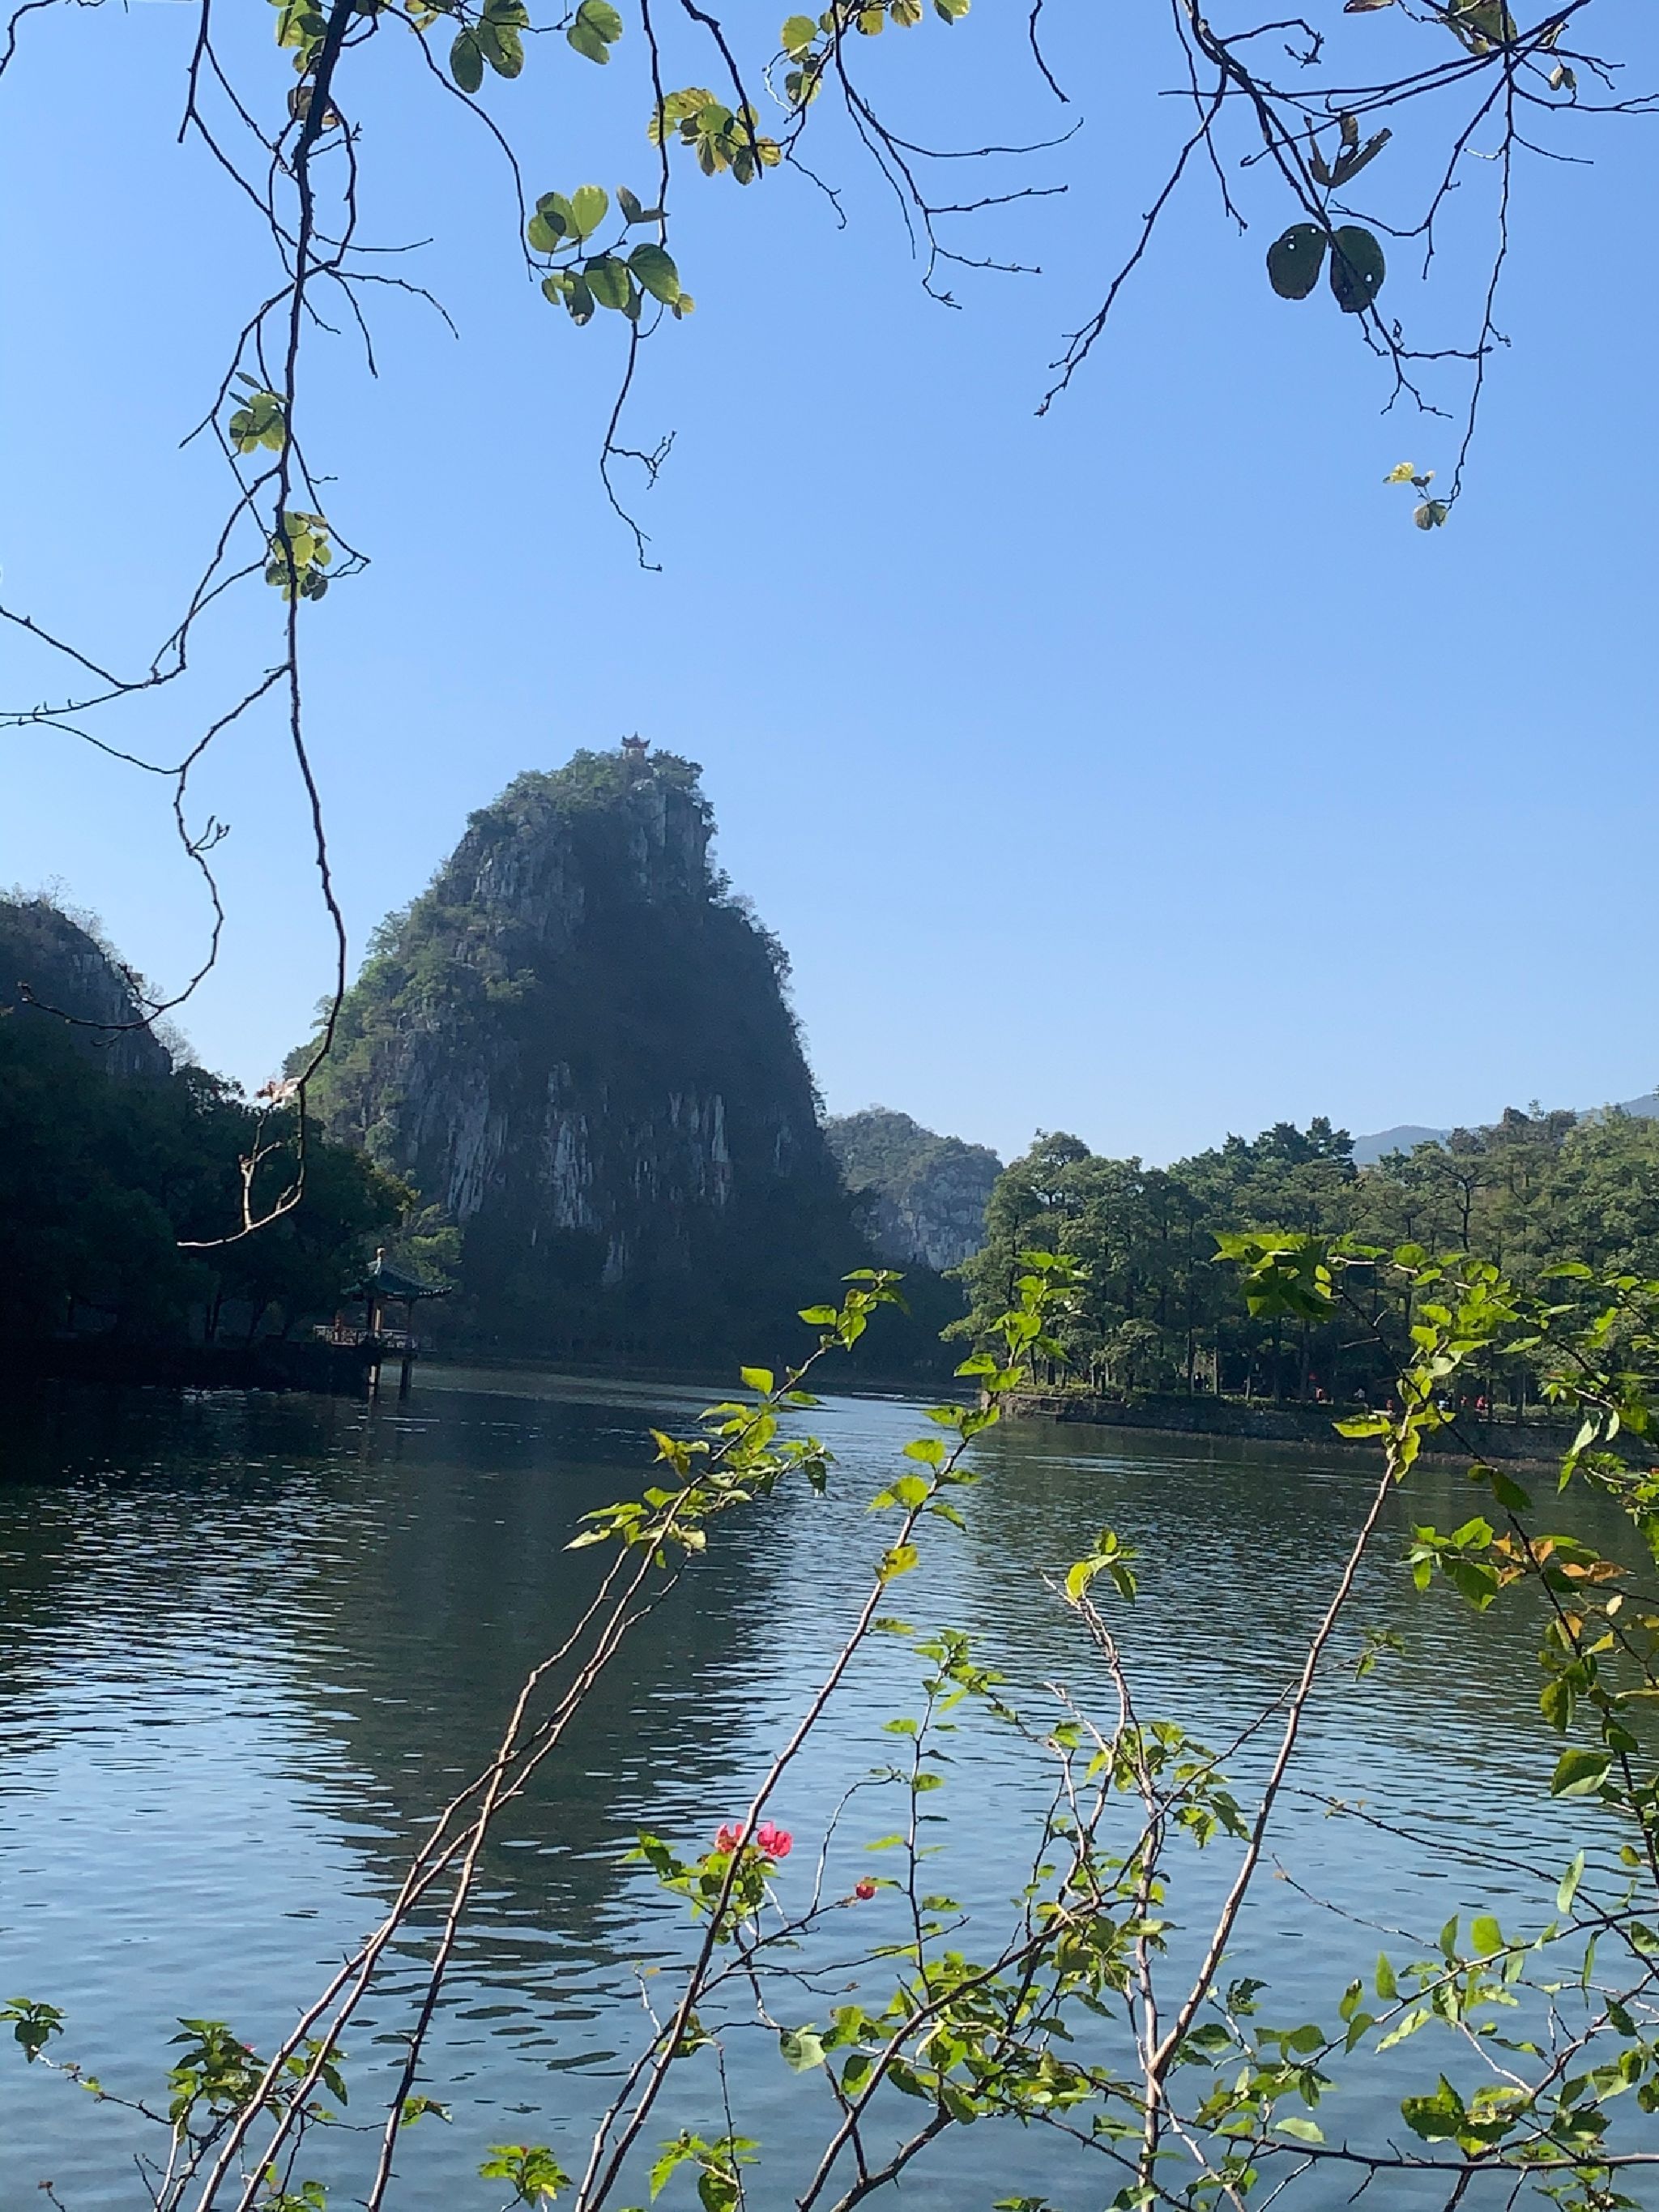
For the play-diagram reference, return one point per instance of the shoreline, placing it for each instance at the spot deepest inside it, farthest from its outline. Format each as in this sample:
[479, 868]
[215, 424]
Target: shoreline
[1309, 1428]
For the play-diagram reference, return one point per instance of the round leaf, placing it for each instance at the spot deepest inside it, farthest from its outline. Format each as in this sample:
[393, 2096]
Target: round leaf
[588, 207]
[1358, 269]
[503, 49]
[595, 31]
[466, 62]
[655, 271]
[608, 281]
[1295, 260]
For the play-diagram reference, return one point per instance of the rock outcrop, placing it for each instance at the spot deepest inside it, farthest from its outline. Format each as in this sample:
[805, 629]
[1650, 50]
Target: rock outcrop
[924, 1195]
[52, 968]
[577, 1045]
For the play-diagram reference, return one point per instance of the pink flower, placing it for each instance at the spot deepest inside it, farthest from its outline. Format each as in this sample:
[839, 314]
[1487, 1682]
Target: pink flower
[864, 1889]
[726, 1838]
[776, 1843]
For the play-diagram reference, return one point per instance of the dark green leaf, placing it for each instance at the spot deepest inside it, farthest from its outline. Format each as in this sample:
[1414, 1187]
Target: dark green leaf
[1295, 259]
[1358, 269]
[466, 62]
[656, 272]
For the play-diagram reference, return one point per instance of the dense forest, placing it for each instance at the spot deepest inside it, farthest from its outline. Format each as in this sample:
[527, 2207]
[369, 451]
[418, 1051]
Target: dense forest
[1159, 1313]
[111, 1157]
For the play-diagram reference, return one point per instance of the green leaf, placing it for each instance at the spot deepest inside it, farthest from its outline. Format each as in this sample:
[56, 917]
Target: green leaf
[898, 1561]
[1295, 259]
[1485, 1934]
[753, 1378]
[673, 2157]
[502, 46]
[1509, 1493]
[1303, 2130]
[797, 36]
[1570, 1882]
[608, 281]
[32, 2023]
[1363, 1425]
[1438, 2118]
[906, 1490]
[802, 2048]
[1358, 269]
[1579, 1772]
[589, 204]
[466, 62]
[536, 2175]
[1557, 1701]
[1387, 1986]
[656, 273]
[596, 29]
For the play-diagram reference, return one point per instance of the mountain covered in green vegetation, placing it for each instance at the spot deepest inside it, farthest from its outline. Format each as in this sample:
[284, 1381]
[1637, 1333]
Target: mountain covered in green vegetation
[924, 1195]
[121, 1182]
[577, 1046]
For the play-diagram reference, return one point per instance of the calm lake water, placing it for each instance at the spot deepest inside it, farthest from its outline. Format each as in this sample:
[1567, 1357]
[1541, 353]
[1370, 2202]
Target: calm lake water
[248, 1644]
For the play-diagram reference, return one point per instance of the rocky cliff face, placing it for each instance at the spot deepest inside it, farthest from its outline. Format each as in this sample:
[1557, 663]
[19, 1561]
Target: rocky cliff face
[577, 1044]
[48, 958]
[924, 1195]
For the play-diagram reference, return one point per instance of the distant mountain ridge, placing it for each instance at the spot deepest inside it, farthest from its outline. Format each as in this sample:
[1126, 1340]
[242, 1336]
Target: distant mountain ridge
[1368, 1151]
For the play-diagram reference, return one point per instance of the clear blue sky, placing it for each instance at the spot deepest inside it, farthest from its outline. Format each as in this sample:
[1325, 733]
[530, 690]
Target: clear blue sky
[1139, 770]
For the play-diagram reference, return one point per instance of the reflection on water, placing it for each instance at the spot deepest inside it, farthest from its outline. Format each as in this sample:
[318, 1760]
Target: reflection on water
[248, 1644]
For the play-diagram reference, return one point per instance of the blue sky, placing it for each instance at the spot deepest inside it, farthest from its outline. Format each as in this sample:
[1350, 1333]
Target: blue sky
[1138, 770]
